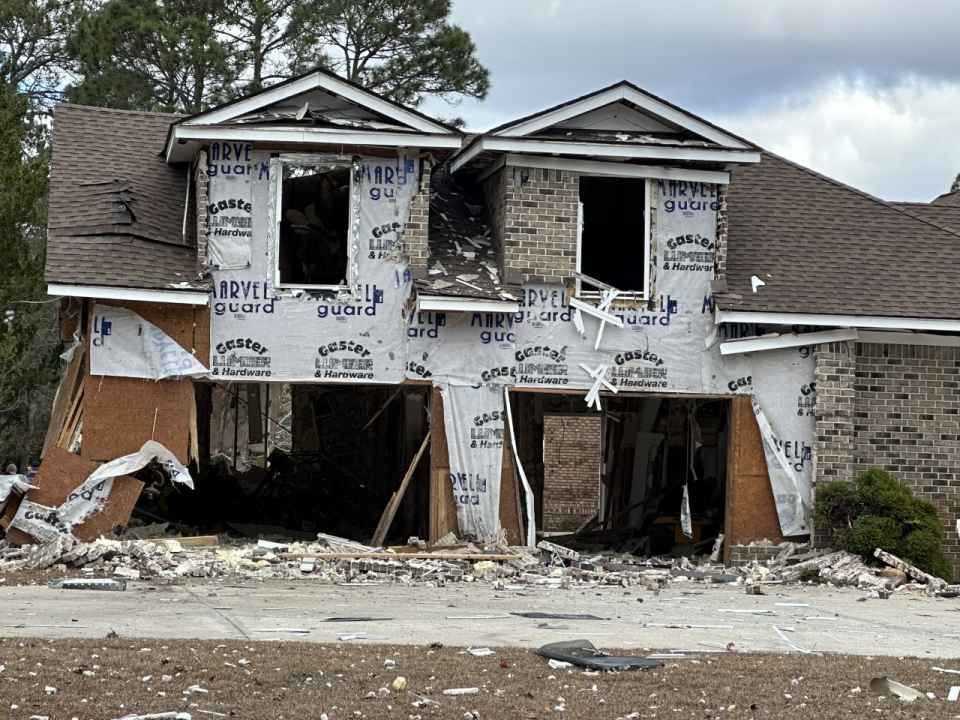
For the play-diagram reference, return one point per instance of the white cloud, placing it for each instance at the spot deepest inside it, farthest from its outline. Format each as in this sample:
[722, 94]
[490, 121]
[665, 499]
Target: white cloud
[899, 143]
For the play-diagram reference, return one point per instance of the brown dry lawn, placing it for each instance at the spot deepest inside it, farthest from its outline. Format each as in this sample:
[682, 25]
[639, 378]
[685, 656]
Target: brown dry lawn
[114, 677]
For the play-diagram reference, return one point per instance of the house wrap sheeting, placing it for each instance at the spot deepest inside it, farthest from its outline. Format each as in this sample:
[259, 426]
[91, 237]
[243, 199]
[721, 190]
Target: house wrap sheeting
[260, 332]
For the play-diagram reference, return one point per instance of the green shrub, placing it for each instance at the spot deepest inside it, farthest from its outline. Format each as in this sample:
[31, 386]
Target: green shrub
[870, 532]
[879, 512]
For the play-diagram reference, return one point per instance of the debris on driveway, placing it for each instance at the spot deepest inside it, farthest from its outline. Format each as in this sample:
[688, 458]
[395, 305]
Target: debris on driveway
[583, 654]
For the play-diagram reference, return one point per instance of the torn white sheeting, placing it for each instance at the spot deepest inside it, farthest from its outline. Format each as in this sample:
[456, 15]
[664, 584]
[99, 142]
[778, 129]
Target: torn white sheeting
[884, 686]
[45, 523]
[474, 422]
[686, 522]
[791, 510]
[123, 344]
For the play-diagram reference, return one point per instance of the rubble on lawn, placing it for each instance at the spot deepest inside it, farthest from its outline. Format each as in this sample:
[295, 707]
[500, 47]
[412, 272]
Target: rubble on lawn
[547, 565]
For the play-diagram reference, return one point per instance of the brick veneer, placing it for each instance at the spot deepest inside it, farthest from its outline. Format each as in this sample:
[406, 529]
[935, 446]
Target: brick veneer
[532, 214]
[571, 468]
[416, 229]
[202, 183]
[904, 418]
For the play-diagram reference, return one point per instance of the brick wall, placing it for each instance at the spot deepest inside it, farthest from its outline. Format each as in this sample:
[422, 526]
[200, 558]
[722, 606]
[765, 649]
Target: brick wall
[571, 469]
[202, 182]
[416, 229]
[722, 230]
[532, 214]
[905, 420]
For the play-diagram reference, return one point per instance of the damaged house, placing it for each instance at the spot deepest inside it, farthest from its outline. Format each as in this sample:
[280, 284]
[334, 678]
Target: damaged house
[610, 318]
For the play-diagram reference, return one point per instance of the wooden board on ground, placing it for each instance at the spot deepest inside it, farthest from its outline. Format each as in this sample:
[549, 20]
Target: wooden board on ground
[59, 475]
[189, 541]
[396, 556]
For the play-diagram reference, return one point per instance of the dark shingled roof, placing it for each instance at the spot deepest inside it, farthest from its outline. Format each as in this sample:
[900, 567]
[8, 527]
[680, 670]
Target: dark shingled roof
[116, 208]
[949, 198]
[461, 248]
[825, 248]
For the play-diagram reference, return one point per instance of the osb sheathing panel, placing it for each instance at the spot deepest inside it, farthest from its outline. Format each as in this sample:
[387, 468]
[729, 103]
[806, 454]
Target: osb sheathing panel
[120, 414]
[59, 475]
[751, 511]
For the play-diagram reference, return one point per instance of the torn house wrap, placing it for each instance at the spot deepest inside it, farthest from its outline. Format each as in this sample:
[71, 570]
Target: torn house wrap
[45, 523]
[123, 344]
[375, 335]
[474, 421]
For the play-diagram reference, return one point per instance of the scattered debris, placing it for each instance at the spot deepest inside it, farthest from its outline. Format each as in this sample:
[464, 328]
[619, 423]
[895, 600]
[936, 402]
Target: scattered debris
[462, 691]
[89, 584]
[583, 654]
[883, 686]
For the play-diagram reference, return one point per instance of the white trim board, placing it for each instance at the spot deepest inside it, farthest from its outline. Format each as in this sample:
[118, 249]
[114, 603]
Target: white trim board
[179, 150]
[608, 150]
[436, 303]
[327, 83]
[606, 169]
[851, 321]
[908, 338]
[617, 93]
[776, 341]
[173, 297]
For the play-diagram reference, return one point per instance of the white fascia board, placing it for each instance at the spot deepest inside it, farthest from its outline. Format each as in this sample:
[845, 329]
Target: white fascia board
[467, 155]
[850, 321]
[775, 342]
[907, 338]
[314, 81]
[435, 303]
[171, 297]
[336, 136]
[612, 169]
[618, 150]
[616, 94]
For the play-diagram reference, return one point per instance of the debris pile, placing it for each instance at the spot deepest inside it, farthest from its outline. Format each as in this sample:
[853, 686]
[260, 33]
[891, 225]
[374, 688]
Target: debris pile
[342, 561]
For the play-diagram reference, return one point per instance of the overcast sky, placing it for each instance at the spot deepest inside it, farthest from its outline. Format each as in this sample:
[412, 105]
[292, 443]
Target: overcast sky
[866, 92]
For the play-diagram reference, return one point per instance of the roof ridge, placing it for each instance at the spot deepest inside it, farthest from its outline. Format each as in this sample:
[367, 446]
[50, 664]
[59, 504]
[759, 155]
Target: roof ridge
[119, 111]
[862, 193]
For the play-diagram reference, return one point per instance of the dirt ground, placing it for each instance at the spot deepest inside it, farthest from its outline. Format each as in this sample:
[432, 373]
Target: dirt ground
[115, 677]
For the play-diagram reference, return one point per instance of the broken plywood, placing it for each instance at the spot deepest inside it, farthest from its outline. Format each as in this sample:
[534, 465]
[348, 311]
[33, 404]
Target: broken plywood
[60, 474]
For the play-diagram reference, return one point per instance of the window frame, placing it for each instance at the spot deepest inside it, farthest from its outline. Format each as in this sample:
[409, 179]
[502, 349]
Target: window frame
[277, 164]
[647, 240]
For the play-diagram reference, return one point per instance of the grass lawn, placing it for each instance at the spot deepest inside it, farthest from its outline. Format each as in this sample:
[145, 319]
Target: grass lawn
[114, 677]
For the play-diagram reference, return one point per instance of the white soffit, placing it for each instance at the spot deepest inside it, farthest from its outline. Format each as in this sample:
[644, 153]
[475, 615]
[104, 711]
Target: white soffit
[615, 117]
[173, 297]
[607, 151]
[607, 169]
[775, 341]
[437, 303]
[844, 321]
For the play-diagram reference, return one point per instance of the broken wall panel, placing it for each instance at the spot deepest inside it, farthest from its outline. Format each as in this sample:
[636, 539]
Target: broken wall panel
[370, 334]
[59, 475]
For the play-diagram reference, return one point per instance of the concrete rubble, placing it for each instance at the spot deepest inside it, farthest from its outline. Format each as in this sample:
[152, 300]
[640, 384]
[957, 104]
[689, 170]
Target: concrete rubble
[547, 565]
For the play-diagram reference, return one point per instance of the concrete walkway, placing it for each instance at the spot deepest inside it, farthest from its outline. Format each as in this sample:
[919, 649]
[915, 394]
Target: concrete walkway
[819, 619]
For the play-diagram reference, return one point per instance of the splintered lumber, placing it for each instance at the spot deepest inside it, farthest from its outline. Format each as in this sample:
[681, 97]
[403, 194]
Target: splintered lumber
[914, 572]
[64, 399]
[190, 541]
[382, 408]
[73, 417]
[397, 556]
[391, 510]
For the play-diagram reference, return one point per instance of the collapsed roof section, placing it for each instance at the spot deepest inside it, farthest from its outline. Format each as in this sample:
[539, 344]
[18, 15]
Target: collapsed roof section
[828, 254]
[316, 108]
[463, 269]
[119, 215]
[618, 125]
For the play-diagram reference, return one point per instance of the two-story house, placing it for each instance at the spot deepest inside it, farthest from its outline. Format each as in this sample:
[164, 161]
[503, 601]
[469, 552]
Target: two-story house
[610, 316]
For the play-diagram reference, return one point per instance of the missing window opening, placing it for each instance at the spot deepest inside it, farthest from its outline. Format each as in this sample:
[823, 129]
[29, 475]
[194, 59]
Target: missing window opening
[314, 225]
[613, 242]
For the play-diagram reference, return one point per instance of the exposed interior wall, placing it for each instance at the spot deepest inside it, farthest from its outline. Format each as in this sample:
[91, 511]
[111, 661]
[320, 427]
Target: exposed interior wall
[533, 216]
[120, 414]
[571, 491]
[904, 418]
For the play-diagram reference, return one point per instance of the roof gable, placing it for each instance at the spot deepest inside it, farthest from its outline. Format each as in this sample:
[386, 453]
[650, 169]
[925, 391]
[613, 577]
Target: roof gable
[620, 107]
[318, 107]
